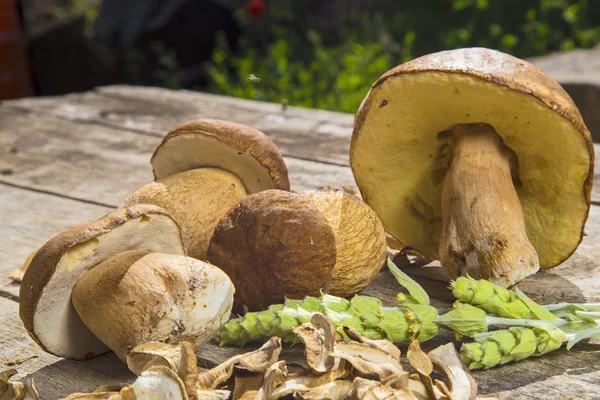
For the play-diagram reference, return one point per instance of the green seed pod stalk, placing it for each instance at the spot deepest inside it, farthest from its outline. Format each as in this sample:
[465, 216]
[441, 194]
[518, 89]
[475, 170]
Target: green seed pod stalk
[363, 313]
[512, 344]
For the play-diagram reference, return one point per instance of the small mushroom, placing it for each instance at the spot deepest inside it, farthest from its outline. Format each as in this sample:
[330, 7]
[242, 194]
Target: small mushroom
[120, 281]
[204, 167]
[273, 244]
[478, 159]
[360, 240]
[136, 297]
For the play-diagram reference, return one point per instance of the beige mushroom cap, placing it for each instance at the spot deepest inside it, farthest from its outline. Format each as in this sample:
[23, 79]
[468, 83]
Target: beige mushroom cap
[394, 150]
[45, 295]
[274, 244]
[197, 199]
[239, 149]
[136, 297]
[360, 240]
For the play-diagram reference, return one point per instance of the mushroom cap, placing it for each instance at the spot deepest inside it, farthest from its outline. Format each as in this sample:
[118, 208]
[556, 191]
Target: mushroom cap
[273, 245]
[45, 296]
[197, 199]
[239, 149]
[136, 297]
[394, 147]
[360, 242]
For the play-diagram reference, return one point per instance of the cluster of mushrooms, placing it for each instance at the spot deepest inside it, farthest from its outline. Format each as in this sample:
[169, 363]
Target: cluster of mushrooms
[469, 156]
[164, 266]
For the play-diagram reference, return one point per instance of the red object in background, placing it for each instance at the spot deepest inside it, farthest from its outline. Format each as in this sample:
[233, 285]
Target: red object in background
[256, 7]
[15, 78]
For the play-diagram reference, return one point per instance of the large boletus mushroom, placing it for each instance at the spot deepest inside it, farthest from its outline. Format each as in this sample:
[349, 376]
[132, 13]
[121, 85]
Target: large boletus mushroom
[204, 167]
[130, 281]
[476, 158]
[273, 244]
[277, 244]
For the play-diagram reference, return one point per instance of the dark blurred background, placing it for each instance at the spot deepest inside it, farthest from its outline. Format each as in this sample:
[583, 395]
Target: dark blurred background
[312, 53]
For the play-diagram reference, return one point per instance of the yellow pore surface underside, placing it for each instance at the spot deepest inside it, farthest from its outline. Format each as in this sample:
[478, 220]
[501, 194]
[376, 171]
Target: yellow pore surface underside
[394, 155]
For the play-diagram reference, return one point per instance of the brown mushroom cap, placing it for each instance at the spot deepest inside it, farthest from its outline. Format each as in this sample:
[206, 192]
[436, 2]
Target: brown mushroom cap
[136, 297]
[197, 199]
[239, 149]
[45, 295]
[360, 241]
[274, 244]
[394, 146]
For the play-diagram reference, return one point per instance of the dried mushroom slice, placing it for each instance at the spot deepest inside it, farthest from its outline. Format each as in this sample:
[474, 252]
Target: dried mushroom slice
[461, 383]
[318, 337]
[336, 390]
[476, 158]
[17, 390]
[179, 358]
[45, 296]
[275, 375]
[258, 360]
[367, 359]
[159, 383]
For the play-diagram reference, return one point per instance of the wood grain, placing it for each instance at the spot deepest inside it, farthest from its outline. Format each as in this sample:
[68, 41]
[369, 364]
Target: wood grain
[307, 134]
[96, 163]
[68, 160]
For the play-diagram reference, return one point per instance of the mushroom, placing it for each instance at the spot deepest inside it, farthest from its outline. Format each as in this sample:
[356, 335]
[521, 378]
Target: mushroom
[360, 240]
[276, 244]
[117, 281]
[273, 244]
[204, 167]
[136, 297]
[478, 159]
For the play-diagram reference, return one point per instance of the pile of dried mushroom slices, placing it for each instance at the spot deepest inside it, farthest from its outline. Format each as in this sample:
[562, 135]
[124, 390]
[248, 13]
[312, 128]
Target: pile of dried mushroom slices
[334, 369]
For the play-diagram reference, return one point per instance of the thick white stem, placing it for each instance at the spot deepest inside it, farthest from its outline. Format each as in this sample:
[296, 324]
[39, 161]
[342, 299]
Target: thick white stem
[483, 231]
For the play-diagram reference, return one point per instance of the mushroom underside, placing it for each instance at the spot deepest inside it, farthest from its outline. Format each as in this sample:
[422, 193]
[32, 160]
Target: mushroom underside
[403, 182]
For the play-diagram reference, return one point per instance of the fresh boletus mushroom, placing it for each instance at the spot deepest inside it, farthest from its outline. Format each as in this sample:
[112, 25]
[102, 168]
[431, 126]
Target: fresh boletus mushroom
[276, 244]
[136, 297]
[204, 167]
[478, 159]
[360, 242]
[131, 265]
[273, 244]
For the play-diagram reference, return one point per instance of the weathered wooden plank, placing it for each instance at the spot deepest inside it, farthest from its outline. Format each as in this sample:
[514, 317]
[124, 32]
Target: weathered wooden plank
[29, 219]
[321, 136]
[301, 133]
[102, 164]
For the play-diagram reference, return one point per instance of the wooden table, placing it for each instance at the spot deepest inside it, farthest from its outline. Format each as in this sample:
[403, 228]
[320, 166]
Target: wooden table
[68, 160]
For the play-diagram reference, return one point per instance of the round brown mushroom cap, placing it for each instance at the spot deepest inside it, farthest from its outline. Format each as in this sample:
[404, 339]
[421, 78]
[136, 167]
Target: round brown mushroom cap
[273, 245]
[394, 151]
[45, 295]
[136, 297]
[197, 199]
[239, 149]
[360, 241]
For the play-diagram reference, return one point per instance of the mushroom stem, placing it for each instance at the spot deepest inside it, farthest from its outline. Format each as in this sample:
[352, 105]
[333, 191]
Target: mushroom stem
[483, 231]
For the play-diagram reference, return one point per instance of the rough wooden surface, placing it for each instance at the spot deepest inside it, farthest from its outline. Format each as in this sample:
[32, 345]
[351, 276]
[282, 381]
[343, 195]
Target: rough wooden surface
[68, 160]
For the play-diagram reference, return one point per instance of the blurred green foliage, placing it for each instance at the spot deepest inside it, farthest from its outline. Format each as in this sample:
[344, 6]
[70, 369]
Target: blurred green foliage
[331, 62]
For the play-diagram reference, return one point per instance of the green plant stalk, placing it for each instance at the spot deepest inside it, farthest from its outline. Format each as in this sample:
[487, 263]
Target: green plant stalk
[363, 313]
[512, 344]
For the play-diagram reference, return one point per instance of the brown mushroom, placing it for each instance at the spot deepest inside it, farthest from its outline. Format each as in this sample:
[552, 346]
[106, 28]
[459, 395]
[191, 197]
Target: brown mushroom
[204, 167]
[273, 244]
[476, 158]
[117, 281]
[360, 241]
